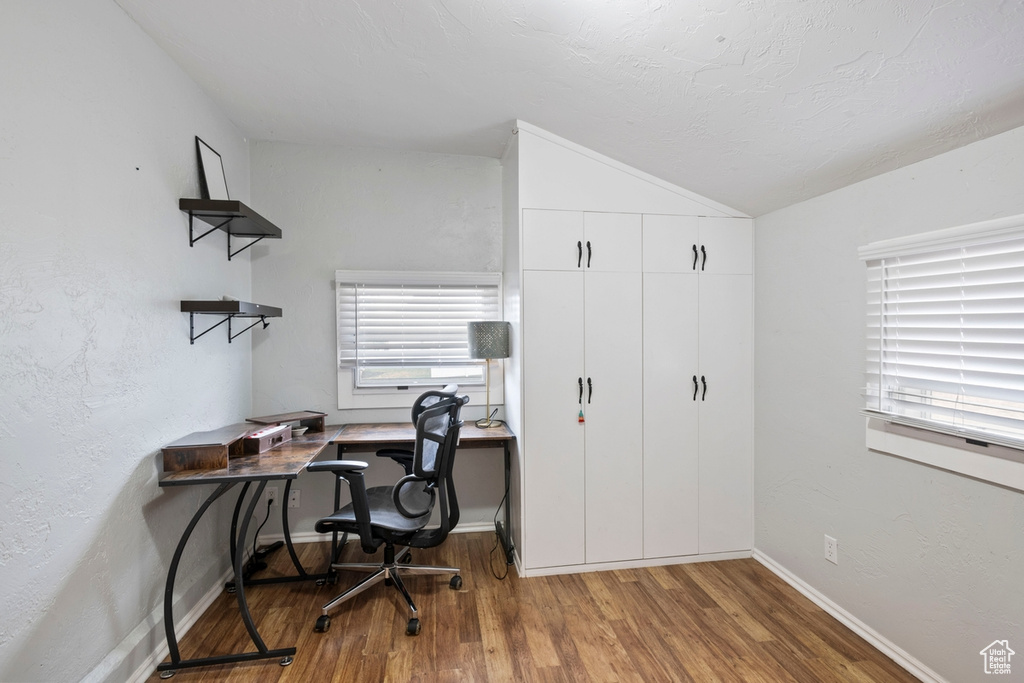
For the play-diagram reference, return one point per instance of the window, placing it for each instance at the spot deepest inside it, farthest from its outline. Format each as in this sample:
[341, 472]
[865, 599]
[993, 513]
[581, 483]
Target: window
[406, 329]
[945, 321]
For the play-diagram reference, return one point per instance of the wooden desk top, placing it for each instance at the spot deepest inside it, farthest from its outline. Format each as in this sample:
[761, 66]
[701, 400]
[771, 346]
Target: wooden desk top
[371, 436]
[286, 461]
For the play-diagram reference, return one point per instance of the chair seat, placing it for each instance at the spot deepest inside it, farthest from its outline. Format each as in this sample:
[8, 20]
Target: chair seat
[384, 515]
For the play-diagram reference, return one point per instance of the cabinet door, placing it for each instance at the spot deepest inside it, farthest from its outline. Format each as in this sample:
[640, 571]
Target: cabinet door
[612, 242]
[553, 240]
[729, 245]
[614, 417]
[670, 243]
[553, 458]
[670, 413]
[726, 444]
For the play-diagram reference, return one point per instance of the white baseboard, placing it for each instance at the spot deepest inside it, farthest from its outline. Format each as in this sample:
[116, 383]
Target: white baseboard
[628, 564]
[181, 627]
[148, 642]
[878, 641]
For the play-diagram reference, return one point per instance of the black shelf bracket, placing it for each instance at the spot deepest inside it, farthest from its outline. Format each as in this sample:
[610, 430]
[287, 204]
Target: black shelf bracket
[192, 336]
[236, 253]
[192, 239]
[262, 319]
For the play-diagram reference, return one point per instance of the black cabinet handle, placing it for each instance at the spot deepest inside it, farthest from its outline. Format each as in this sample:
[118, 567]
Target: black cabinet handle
[590, 390]
[705, 383]
[695, 387]
[694, 267]
[581, 390]
[579, 261]
[588, 253]
[704, 254]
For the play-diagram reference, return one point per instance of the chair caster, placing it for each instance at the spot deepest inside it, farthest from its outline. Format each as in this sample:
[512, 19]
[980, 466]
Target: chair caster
[413, 629]
[406, 559]
[456, 583]
[323, 624]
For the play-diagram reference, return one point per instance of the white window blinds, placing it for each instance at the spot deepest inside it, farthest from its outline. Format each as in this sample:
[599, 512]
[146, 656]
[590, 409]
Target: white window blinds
[400, 329]
[945, 331]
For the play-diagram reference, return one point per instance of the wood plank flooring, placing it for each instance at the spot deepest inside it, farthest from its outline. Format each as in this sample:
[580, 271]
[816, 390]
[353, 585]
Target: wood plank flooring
[721, 621]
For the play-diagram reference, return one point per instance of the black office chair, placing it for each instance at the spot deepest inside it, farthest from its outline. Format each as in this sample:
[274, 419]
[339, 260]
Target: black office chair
[404, 456]
[399, 514]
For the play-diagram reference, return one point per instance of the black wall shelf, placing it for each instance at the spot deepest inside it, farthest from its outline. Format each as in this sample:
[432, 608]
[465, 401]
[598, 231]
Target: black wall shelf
[231, 216]
[230, 310]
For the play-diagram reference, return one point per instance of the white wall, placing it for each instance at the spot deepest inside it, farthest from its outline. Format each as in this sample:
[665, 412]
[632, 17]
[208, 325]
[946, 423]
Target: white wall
[97, 131]
[930, 560]
[362, 209]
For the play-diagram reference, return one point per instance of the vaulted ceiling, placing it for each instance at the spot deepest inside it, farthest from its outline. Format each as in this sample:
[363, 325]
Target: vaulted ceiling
[757, 104]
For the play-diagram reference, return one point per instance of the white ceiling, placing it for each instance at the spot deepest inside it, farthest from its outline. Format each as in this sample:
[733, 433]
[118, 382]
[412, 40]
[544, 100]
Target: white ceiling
[757, 104]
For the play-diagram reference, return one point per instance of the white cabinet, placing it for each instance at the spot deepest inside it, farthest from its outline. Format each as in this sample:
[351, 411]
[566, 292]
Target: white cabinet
[552, 343]
[698, 453]
[671, 436]
[642, 323]
[582, 354]
[688, 244]
[726, 414]
[574, 240]
[613, 410]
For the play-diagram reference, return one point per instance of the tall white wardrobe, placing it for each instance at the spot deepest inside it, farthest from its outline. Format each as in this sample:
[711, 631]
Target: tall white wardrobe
[629, 386]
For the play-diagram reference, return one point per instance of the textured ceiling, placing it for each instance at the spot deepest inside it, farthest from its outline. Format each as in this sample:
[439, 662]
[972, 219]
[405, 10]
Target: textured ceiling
[753, 103]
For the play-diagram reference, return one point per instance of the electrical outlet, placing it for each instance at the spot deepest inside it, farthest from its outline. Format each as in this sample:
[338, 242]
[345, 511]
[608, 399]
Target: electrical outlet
[831, 549]
[293, 498]
[271, 493]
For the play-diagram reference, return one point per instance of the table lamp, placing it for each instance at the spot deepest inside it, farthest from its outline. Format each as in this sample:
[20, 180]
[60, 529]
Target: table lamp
[488, 339]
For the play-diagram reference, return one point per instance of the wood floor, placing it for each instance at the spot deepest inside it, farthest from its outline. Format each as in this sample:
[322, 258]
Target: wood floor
[721, 621]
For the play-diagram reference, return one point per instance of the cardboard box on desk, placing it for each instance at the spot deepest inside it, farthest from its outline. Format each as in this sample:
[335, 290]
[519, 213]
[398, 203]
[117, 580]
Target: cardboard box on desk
[206, 450]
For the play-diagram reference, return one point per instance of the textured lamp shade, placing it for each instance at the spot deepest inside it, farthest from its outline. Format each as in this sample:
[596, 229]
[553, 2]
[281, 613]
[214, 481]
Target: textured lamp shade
[488, 339]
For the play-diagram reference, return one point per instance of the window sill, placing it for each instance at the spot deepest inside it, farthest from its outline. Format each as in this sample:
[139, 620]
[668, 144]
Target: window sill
[995, 464]
[350, 398]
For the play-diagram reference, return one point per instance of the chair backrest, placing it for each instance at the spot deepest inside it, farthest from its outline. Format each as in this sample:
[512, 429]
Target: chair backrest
[437, 436]
[429, 398]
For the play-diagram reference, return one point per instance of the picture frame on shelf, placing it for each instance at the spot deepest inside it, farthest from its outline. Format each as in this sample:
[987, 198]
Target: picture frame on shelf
[212, 182]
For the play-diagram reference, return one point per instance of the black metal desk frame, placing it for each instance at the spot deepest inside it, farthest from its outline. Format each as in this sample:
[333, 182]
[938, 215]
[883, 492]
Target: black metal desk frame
[237, 548]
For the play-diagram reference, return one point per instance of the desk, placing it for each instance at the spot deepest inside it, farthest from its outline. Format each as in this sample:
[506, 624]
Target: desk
[374, 436]
[284, 462]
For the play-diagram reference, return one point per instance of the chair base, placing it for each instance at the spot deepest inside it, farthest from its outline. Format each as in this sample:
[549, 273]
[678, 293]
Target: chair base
[390, 572]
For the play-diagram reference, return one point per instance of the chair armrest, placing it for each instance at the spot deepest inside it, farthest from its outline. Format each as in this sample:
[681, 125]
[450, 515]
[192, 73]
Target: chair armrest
[352, 472]
[400, 455]
[337, 466]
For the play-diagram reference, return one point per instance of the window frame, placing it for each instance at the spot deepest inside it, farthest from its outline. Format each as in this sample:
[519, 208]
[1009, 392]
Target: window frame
[989, 457]
[387, 396]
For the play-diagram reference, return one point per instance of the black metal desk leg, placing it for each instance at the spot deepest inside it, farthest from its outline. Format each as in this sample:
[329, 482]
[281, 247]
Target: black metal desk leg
[505, 534]
[243, 605]
[285, 526]
[262, 652]
[172, 572]
[234, 520]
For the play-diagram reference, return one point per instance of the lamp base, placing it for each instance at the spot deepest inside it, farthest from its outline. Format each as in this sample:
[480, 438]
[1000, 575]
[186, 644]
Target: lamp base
[486, 423]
